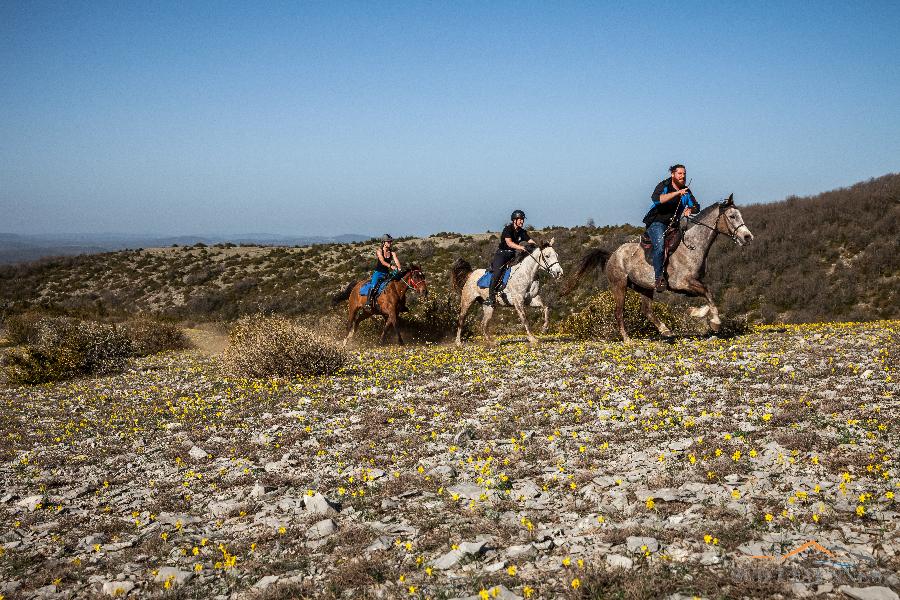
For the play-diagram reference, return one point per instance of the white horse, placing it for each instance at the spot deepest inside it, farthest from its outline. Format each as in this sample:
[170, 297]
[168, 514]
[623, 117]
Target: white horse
[521, 290]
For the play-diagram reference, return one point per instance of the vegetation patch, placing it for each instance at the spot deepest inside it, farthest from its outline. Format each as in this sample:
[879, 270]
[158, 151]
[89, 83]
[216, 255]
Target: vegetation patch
[151, 337]
[267, 346]
[62, 348]
[597, 321]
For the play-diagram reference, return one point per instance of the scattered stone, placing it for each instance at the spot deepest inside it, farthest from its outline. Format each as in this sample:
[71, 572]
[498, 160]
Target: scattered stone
[31, 503]
[875, 592]
[173, 574]
[322, 529]
[317, 504]
[617, 561]
[117, 588]
[469, 491]
[266, 581]
[198, 453]
[225, 508]
[635, 544]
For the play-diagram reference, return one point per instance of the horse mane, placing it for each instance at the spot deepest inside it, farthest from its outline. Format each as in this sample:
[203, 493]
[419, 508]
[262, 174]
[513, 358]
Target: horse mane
[521, 255]
[708, 210]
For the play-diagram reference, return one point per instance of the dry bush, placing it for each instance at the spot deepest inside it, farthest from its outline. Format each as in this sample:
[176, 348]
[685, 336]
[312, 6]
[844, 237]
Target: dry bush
[151, 337]
[434, 320]
[23, 328]
[266, 346]
[597, 319]
[63, 348]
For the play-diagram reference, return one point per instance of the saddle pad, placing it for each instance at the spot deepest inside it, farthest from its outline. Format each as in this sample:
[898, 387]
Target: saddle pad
[364, 289]
[484, 281]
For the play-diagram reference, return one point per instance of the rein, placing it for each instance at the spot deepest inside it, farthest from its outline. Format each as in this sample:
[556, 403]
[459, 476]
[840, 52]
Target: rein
[540, 263]
[731, 234]
[412, 287]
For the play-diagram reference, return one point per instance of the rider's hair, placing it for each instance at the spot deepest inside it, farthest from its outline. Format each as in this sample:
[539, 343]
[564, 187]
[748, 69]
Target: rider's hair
[674, 168]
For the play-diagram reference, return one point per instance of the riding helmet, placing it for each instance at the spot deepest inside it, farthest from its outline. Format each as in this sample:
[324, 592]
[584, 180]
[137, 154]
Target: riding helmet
[517, 214]
[387, 238]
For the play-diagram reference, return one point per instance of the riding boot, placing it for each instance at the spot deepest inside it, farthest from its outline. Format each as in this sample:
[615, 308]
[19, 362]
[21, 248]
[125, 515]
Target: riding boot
[661, 284]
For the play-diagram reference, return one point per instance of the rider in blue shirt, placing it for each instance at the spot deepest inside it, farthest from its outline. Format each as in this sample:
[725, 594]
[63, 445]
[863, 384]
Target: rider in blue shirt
[672, 199]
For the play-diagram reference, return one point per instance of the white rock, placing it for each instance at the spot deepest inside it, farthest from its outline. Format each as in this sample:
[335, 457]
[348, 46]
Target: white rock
[494, 567]
[174, 574]
[266, 582]
[258, 491]
[495, 591]
[514, 551]
[30, 503]
[635, 543]
[875, 592]
[117, 588]
[619, 561]
[322, 529]
[225, 508]
[317, 504]
[383, 542]
[449, 560]
[469, 491]
[198, 453]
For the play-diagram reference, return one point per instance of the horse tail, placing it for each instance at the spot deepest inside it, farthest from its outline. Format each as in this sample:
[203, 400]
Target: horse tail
[460, 271]
[593, 259]
[341, 296]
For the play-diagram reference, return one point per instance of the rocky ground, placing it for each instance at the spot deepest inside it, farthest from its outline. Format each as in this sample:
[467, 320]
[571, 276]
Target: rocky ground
[569, 470]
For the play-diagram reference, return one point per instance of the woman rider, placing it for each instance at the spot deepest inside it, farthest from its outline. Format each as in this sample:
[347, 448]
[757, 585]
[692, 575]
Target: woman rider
[386, 261]
[511, 239]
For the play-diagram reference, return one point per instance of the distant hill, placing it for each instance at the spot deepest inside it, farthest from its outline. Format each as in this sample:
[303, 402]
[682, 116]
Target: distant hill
[828, 257]
[15, 248]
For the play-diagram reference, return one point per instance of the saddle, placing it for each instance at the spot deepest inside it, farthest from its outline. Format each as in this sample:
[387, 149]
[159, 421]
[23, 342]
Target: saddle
[671, 240]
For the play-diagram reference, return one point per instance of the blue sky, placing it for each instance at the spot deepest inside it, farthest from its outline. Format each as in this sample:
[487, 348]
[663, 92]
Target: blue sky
[417, 117]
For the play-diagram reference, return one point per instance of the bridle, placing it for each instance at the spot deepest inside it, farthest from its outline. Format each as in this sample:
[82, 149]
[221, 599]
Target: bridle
[732, 233]
[540, 261]
[416, 283]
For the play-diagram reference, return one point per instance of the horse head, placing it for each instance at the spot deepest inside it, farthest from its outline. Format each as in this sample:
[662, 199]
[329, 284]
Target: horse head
[415, 279]
[731, 222]
[549, 259]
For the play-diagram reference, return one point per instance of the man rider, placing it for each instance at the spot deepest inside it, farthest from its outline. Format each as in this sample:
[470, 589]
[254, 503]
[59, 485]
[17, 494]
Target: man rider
[386, 260]
[672, 199]
[511, 239]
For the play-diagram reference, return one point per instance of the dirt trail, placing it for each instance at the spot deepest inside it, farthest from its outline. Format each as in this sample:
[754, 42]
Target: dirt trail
[206, 340]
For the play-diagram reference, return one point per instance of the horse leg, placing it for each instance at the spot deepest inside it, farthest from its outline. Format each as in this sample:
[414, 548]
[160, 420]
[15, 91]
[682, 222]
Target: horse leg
[465, 301]
[647, 309]
[537, 302]
[384, 330]
[520, 308]
[485, 318]
[352, 323]
[709, 311]
[396, 321]
[618, 289]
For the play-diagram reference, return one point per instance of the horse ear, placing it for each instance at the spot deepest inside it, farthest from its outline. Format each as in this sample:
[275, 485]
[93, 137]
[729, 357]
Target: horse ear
[730, 200]
[550, 243]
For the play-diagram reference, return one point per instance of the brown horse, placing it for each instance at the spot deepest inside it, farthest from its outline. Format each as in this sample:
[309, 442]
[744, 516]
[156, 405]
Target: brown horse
[389, 302]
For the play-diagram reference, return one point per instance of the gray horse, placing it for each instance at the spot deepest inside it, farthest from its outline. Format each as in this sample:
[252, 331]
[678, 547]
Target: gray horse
[628, 266]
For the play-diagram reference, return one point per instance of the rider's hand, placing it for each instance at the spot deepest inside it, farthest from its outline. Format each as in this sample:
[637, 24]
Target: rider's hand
[684, 191]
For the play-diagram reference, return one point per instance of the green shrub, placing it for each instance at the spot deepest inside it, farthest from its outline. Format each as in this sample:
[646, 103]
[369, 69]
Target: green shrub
[597, 320]
[266, 346]
[151, 337]
[63, 348]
